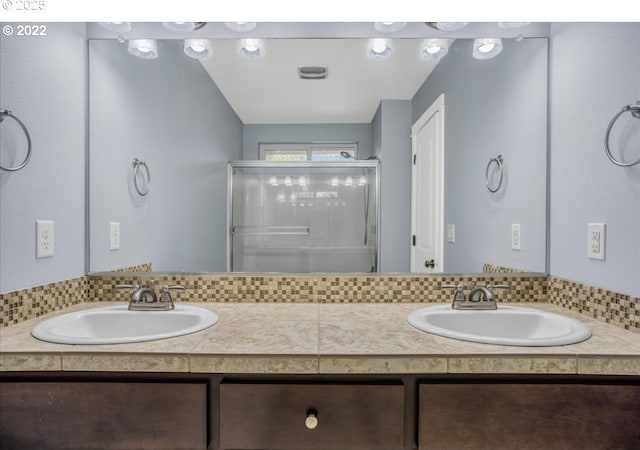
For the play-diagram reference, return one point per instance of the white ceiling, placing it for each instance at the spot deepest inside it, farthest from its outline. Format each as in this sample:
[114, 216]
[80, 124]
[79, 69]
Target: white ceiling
[268, 90]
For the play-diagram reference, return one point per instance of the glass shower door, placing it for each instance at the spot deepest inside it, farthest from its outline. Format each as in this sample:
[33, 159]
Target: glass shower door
[303, 217]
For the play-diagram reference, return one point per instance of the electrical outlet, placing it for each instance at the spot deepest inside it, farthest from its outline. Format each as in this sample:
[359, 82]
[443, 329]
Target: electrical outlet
[596, 237]
[451, 232]
[114, 235]
[44, 238]
[515, 236]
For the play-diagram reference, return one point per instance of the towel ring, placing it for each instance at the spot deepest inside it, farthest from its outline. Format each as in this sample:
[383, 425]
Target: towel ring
[498, 161]
[635, 112]
[3, 113]
[136, 167]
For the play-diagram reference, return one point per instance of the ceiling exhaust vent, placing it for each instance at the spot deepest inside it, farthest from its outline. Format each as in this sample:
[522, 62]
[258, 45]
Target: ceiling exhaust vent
[313, 72]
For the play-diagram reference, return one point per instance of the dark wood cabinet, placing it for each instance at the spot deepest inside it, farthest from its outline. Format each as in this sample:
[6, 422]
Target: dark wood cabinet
[541, 415]
[349, 416]
[102, 415]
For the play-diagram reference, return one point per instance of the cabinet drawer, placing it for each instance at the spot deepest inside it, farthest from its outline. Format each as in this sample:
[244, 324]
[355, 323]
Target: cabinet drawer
[102, 415]
[349, 416]
[528, 416]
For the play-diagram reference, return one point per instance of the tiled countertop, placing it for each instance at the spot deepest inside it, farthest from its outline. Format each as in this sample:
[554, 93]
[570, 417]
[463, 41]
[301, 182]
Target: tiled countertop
[361, 338]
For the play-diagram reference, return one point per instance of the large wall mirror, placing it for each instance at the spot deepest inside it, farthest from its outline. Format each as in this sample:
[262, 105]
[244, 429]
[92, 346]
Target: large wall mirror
[186, 119]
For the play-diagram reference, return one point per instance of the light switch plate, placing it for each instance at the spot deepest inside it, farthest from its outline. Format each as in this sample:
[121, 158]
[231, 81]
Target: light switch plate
[596, 240]
[515, 236]
[451, 232]
[44, 238]
[114, 235]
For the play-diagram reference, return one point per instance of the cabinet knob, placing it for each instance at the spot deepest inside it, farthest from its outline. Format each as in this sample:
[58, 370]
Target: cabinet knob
[311, 422]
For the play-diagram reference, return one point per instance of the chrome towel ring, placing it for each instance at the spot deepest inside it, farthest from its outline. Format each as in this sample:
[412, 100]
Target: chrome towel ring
[635, 112]
[5, 113]
[497, 160]
[136, 168]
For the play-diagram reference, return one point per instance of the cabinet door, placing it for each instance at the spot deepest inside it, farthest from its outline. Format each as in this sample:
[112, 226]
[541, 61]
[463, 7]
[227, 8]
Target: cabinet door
[528, 416]
[349, 416]
[102, 415]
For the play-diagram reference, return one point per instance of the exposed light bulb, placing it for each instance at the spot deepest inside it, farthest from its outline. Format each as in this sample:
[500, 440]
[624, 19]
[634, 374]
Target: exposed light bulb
[434, 49]
[197, 48]
[389, 27]
[287, 181]
[302, 181]
[362, 181]
[447, 26]
[334, 181]
[252, 48]
[143, 48]
[180, 27]
[380, 48]
[486, 48]
[273, 181]
[241, 27]
[116, 27]
[348, 181]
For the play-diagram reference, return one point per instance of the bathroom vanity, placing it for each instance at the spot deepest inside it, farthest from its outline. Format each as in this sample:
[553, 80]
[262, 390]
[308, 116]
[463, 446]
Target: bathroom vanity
[319, 376]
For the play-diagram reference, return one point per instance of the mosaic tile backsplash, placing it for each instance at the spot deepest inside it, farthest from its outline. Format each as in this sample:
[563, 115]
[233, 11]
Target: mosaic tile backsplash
[616, 309]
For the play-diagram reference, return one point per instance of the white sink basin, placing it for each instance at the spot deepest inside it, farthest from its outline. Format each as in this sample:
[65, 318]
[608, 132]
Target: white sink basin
[507, 325]
[118, 325]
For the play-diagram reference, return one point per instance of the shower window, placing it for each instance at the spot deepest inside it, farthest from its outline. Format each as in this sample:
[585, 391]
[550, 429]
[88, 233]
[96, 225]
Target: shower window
[309, 152]
[303, 216]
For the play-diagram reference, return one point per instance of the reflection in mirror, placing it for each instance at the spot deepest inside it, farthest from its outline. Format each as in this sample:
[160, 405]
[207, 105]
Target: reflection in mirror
[172, 113]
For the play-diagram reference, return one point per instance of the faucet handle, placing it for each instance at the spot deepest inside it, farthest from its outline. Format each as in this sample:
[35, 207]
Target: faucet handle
[498, 286]
[459, 288]
[447, 287]
[127, 287]
[173, 288]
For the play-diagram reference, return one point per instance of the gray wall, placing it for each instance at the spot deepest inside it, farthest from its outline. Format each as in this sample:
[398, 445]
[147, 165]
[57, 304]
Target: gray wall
[391, 143]
[492, 107]
[595, 70]
[43, 81]
[254, 134]
[169, 113]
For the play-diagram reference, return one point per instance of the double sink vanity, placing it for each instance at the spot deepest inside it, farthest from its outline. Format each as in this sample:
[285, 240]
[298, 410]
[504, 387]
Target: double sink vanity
[270, 375]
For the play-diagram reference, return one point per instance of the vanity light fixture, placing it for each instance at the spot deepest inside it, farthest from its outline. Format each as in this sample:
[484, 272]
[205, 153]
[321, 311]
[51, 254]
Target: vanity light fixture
[302, 181]
[252, 48]
[197, 48]
[362, 181]
[486, 48]
[241, 27]
[273, 181]
[447, 26]
[389, 27]
[116, 27]
[380, 48]
[434, 49]
[183, 27]
[144, 48]
[287, 181]
[334, 181]
[348, 181]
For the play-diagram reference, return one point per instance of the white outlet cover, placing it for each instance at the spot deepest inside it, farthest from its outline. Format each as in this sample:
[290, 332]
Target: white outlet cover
[515, 236]
[114, 235]
[44, 238]
[596, 240]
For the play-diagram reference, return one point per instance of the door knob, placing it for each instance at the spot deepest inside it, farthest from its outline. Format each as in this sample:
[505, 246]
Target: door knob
[430, 263]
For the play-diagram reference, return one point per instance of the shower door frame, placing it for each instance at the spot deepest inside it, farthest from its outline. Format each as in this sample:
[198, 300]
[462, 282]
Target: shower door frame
[253, 164]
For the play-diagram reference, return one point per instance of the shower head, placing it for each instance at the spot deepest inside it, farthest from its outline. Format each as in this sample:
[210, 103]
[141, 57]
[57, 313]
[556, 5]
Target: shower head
[346, 155]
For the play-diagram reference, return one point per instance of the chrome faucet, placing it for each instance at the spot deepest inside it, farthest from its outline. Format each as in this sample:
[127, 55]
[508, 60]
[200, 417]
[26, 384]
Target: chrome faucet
[481, 297]
[145, 298]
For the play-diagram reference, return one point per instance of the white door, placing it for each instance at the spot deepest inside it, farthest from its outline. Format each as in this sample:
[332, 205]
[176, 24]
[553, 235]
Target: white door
[427, 190]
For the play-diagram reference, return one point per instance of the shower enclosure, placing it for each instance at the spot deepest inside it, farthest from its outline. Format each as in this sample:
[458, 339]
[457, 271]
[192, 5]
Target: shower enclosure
[303, 216]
